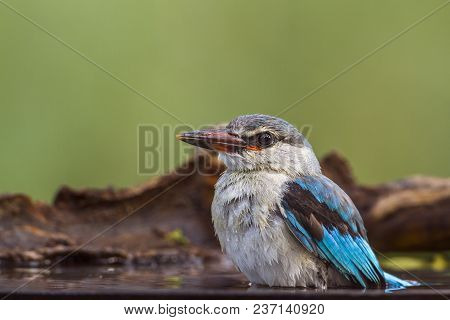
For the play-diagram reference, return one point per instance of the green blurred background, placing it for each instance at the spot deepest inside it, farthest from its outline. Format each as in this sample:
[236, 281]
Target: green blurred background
[63, 121]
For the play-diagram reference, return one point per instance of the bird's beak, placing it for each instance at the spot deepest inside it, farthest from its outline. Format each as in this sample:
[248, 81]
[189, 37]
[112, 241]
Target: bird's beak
[213, 139]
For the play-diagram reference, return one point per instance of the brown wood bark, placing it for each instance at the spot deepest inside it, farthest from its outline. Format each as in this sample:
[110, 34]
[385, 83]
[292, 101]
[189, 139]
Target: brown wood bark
[136, 225]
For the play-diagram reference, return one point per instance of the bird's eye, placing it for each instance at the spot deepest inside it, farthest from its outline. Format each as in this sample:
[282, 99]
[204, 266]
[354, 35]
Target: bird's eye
[265, 139]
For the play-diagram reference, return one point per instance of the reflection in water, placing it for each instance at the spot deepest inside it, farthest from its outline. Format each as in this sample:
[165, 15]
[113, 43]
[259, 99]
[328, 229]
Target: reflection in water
[118, 280]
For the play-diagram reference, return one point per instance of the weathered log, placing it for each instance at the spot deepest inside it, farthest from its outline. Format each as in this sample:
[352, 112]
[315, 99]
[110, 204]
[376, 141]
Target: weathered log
[411, 214]
[134, 225]
[167, 220]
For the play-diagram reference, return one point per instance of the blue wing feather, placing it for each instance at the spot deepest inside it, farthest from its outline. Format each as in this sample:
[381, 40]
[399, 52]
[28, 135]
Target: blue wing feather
[327, 192]
[335, 232]
[299, 231]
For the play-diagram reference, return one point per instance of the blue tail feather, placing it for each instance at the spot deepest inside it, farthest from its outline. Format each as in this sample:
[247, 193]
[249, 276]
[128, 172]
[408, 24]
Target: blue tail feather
[394, 283]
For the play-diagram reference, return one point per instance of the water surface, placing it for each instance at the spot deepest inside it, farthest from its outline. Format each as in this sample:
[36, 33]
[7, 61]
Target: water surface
[142, 282]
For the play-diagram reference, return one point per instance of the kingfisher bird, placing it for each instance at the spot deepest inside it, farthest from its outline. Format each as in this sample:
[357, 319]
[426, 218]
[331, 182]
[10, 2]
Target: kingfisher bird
[278, 218]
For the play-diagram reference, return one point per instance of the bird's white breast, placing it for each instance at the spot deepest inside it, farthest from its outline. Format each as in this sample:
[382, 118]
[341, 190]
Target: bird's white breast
[255, 237]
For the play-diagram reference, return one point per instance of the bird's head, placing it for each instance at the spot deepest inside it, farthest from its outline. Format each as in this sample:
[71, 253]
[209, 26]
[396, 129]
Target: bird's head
[258, 142]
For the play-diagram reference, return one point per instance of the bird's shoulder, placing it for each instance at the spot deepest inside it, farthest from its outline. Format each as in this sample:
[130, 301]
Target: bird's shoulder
[329, 204]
